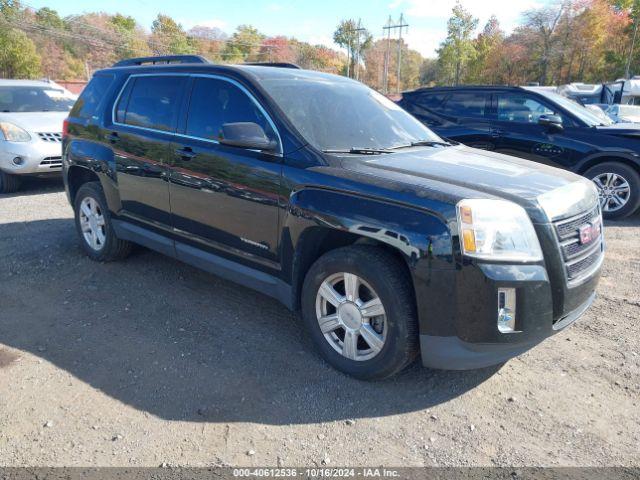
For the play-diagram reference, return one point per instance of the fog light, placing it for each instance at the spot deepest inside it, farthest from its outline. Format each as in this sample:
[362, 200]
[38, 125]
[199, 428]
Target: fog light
[507, 310]
[18, 161]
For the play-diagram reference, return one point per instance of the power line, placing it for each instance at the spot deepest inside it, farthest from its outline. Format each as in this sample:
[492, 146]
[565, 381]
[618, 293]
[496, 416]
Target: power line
[388, 27]
[75, 20]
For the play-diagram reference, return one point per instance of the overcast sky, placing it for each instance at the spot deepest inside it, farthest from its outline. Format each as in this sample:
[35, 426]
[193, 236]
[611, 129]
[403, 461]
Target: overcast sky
[311, 21]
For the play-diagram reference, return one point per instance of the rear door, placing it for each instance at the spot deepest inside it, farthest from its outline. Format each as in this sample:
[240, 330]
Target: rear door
[225, 199]
[469, 112]
[144, 125]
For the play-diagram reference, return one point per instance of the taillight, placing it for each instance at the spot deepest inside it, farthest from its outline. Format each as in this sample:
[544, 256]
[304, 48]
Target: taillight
[65, 127]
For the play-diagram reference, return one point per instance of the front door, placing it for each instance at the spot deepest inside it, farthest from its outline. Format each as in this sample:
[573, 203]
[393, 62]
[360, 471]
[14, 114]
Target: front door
[518, 133]
[225, 198]
[141, 137]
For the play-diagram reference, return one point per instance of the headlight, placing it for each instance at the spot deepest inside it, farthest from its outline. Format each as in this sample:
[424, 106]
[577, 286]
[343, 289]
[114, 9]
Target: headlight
[13, 133]
[497, 230]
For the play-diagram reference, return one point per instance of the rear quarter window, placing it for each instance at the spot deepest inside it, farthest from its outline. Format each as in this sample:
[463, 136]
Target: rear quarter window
[467, 104]
[92, 96]
[153, 103]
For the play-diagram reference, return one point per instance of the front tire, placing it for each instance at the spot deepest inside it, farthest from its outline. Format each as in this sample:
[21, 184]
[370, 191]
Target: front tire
[618, 186]
[93, 224]
[358, 306]
[9, 183]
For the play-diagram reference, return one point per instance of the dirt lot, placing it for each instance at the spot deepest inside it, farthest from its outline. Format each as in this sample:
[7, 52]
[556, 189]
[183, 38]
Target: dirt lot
[151, 362]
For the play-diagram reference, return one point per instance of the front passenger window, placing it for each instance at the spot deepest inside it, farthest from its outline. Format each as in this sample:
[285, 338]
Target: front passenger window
[521, 109]
[215, 102]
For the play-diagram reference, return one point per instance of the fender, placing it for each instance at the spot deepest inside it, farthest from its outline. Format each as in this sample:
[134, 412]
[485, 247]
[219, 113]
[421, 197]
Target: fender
[98, 159]
[422, 238]
[607, 155]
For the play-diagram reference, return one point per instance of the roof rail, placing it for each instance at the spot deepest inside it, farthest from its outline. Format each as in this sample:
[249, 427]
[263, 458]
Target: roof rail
[165, 59]
[274, 64]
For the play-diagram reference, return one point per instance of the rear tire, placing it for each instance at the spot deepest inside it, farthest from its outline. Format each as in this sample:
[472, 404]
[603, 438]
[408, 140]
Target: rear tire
[93, 224]
[372, 333]
[617, 183]
[9, 183]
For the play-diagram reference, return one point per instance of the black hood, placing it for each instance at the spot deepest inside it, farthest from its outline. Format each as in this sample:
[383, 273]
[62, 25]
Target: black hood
[629, 130]
[478, 172]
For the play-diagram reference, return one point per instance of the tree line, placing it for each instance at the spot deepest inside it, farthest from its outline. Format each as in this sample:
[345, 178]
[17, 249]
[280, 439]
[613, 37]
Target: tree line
[570, 40]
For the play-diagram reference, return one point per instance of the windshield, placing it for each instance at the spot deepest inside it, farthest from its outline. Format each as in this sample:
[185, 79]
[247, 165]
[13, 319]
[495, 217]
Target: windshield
[575, 108]
[34, 99]
[343, 115]
[630, 110]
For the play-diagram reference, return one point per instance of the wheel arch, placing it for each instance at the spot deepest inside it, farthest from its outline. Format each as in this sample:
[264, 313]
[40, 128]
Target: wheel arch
[590, 162]
[320, 221]
[78, 176]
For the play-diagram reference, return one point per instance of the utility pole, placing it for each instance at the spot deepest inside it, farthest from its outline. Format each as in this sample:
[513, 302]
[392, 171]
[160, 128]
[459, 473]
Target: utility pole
[385, 80]
[633, 42]
[357, 59]
[356, 53]
[401, 25]
[388, 27]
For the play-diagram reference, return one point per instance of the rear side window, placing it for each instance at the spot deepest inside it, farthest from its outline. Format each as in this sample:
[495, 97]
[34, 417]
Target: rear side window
[153, 103]
[91, 97]
[215, 102]
[467, 104]
[432, 101]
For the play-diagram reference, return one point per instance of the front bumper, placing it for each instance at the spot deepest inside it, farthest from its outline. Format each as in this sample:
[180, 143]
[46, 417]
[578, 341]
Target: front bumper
[40, 158]
[458, 310]
[452, 353]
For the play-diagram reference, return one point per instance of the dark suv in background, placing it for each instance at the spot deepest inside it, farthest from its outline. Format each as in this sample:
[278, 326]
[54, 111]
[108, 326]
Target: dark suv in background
[320, 192]
[539, 125]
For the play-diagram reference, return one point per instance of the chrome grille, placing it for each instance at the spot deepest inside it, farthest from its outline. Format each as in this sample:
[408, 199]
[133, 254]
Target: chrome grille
[579, 257]
[51, 162]
[50, 136]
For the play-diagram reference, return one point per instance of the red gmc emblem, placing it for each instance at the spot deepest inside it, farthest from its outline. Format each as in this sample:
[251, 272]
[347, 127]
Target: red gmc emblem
[589, 232]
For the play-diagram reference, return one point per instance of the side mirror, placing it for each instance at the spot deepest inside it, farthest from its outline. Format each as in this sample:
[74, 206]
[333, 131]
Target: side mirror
[551, 121]
[247, 135]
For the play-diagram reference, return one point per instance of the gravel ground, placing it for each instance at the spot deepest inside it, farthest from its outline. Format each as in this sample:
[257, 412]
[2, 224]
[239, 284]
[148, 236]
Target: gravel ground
[149, 362]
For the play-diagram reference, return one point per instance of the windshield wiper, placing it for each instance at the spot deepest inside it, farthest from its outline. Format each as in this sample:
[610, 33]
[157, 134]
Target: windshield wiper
[359, 151]
[422, 143]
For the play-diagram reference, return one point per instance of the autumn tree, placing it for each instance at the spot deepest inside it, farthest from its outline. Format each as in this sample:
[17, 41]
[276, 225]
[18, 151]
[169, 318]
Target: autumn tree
[458, 48]
[168, 37]
[355, 40]
[277, 49]
[133, 39]
[18, 56]
[244, 45]
[487, 44]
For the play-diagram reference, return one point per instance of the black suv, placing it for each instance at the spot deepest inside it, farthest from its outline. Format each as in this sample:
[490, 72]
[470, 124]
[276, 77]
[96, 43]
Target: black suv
[538, 124]
[322, 193]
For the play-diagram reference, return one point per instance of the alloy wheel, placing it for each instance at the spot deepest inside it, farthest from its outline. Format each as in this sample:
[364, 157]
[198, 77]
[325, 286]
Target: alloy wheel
[92, 223]
[614, 191]
[351, 316]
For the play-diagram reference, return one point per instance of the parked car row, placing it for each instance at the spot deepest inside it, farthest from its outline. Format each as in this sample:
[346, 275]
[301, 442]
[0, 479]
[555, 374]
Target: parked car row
[31, 115]
[539, 125]
[392, 239]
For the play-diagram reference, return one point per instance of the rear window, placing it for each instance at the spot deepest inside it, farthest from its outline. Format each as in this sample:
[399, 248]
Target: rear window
[92, 97]
[153, 102]
[467, 104]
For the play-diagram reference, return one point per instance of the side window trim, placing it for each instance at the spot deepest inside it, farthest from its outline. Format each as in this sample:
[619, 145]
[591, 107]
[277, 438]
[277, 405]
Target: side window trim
[186, 102]
[132, 78]
[487, 103]
[251, 97]
[542, 101]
